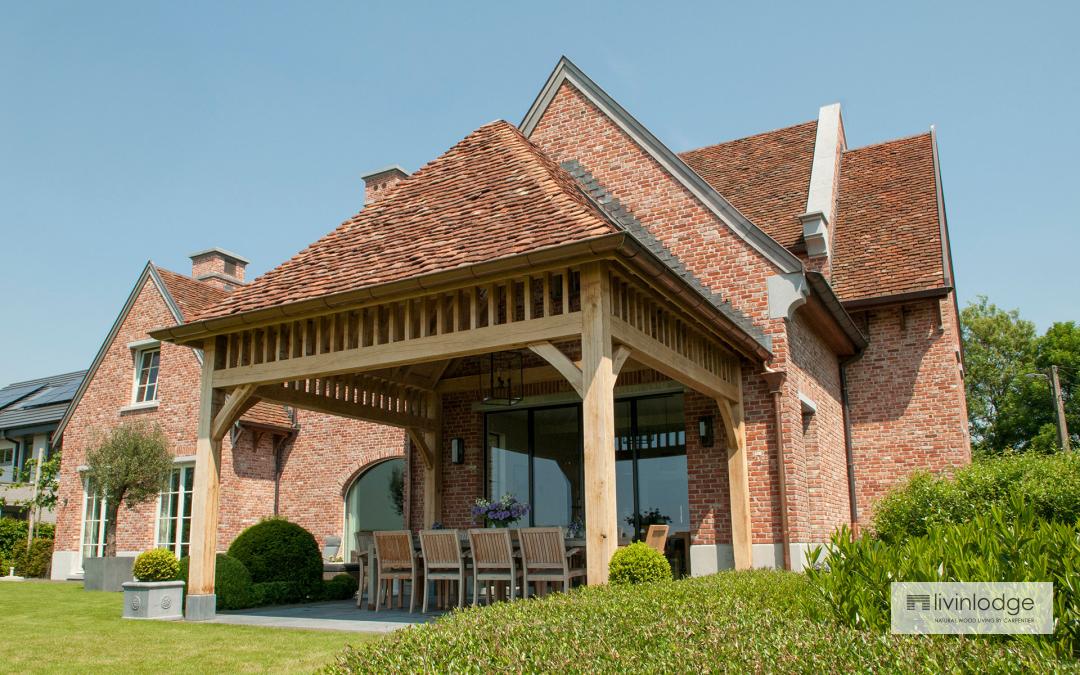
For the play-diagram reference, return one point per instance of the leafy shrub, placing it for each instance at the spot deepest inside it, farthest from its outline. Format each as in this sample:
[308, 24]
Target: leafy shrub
[341, 587]
[638, 563]
[157, 564]
[852, 576]
[12, 531]
[35, 561]
[1049, 484]
[277, 550]
[749, 622]
[232, 582]
[275, 593]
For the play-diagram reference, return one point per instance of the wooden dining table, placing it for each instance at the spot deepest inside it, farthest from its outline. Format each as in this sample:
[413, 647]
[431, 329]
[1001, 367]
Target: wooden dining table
[367, 558]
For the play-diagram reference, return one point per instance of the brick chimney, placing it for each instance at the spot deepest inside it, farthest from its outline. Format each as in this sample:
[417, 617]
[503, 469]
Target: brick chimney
[378, 182]
[218, 267]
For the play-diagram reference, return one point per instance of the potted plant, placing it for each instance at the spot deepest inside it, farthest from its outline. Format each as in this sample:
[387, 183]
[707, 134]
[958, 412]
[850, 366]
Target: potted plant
[128, 465]
[503, 512]
[157, 594]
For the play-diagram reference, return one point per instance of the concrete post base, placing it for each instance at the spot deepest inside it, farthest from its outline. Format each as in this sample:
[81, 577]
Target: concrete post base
[200, 607]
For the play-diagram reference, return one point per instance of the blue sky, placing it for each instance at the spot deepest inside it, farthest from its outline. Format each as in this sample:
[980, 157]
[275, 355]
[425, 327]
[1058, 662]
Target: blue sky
[148, 130]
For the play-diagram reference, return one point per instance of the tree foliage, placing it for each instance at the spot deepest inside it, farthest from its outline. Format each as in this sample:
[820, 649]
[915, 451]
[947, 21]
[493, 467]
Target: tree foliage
[129, 465]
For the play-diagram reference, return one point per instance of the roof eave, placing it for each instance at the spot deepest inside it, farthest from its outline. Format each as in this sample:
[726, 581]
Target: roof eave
[823, 291]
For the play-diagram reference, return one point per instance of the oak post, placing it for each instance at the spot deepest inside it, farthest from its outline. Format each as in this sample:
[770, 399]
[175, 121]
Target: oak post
[201, 602]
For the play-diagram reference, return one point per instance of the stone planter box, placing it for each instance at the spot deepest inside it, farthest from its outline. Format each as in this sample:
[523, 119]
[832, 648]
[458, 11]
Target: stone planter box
[161, 600]
[107, 574]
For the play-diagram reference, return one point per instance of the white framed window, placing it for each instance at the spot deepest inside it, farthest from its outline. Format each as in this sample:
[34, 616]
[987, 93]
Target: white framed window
[7, 464]
[174, 511]
[93, 523]
[146, 374]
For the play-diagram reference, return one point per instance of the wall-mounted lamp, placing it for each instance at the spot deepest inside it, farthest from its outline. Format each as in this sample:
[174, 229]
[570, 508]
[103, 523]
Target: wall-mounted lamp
[457, 450]
[705, 430]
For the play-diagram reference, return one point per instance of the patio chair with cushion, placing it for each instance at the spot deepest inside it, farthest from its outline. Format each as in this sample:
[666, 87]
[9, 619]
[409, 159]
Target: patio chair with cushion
[443, 561]
[656, 537]
[395, 560]
[544, 558]
[493, 560]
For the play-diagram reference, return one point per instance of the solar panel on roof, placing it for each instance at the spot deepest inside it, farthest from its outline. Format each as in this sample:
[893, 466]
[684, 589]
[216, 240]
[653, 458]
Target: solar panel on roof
[58, 394]
[12, 394]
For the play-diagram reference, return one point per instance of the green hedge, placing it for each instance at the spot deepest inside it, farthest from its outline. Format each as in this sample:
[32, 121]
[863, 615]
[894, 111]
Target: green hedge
[638, 563]
[232, 582]
[34, 562]
[1050, 484]
[851, 577]
[277, 550]
[733, 621]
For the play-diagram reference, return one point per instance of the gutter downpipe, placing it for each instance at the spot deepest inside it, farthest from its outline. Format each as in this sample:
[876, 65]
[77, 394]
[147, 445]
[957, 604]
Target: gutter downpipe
[845, 408]
[775, 379]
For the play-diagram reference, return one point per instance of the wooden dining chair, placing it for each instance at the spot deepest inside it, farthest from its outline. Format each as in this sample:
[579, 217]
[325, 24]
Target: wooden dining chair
[656, 537]
[493, 560]
[395, 560]
[544, 558]
[363, 540]
[443, 561]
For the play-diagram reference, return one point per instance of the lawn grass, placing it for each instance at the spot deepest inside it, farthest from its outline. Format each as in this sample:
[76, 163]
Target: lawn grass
[58, 627]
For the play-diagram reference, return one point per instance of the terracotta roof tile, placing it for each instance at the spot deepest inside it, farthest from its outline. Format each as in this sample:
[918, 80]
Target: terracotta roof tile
[765, 177]
[887, 238]
[492, 195]
[268, 414]
[191, 295]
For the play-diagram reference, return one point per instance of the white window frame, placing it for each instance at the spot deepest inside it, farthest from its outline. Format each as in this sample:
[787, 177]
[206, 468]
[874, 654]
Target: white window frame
[100, 523]
[138, 354]
[8, 468]
[177, 546]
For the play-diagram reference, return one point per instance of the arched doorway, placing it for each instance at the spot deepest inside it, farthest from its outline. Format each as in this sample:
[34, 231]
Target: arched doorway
[375, 501]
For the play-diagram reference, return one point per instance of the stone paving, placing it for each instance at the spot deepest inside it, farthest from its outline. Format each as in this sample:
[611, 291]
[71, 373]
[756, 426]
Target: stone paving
[340, 615]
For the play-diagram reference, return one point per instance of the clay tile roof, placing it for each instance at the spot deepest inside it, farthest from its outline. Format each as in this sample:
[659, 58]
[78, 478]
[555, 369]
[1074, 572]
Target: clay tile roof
[268, 415]
[888, 236]
[492, 195]
[191, 295]
[765, 177]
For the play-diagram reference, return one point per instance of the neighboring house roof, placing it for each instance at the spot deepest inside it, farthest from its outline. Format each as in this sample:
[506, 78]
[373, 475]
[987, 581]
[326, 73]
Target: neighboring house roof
[765, 176]
[183, 296]
[493, 195]
[37, 402]
[889, 235]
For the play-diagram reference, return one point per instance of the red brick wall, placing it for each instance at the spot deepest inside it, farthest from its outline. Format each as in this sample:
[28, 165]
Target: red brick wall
[318, 465]
[908, 409]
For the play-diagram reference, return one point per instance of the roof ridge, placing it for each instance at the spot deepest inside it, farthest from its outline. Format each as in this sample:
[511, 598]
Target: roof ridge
[893, 140]
[45, 380]
[748, 138]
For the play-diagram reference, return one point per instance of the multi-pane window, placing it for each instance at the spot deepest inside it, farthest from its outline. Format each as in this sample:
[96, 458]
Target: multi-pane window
[93, 535]
[7, 464]
[146, 375]
[174, 511]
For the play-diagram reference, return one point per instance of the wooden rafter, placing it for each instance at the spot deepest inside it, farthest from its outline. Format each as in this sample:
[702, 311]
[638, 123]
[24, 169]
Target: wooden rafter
[337, 406]
[562, 363]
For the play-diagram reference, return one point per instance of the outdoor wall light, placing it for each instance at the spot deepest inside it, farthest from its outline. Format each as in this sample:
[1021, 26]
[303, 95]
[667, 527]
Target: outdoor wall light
[705, 430]
[457, 450]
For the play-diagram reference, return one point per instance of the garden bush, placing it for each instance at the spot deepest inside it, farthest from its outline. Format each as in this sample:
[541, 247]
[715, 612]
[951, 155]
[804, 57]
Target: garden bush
[12, 531]
[157, 564]
[341, 587]
[35, 561]
[638, 563]
[277, 550]
[1050, 485]
[232, 582]
[275, 593]
[851, 577]
[749, 622]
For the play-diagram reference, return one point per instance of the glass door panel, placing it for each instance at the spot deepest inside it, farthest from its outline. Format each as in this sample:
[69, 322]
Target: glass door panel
[508, 454]
[557, 467]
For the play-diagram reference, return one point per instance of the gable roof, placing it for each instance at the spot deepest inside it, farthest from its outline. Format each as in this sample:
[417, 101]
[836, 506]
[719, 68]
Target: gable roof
[890, 235]
[492, 195]
[766, 176]
[750, 232]
[181, 295]
[36, 402]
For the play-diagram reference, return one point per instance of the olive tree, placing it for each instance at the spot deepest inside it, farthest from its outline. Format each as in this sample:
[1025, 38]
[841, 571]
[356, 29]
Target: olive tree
[127, 465]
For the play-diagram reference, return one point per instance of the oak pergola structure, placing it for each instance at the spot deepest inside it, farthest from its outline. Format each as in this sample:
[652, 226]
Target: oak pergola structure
[378, 354]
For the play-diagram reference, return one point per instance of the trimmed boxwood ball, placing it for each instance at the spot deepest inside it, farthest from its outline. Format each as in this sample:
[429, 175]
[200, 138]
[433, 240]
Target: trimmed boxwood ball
[341, 587]
[232, 582]
[638, 563]
[157, 564]
[277, 550]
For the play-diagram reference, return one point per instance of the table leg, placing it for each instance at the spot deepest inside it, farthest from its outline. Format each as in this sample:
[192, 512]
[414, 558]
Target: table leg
[373, 589]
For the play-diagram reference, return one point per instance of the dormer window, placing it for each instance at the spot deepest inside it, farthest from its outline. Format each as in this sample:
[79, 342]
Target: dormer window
[146, 374]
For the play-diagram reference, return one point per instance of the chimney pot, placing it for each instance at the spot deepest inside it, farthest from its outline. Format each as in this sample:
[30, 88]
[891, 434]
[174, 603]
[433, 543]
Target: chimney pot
[218, 267]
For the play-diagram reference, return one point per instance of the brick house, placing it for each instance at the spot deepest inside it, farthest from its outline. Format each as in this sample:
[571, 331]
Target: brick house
[750, 341]
[295, 463]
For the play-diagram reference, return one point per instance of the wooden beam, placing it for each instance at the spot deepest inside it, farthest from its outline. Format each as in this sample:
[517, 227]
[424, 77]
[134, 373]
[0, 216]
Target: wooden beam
[562, 363]
[237, 403]
[416, 435]
[598, 422]
[433, 484]
[619, 357]
[671, 363]
[334, 406]
[738, 482]
[531, 375]
[205, 494]
[433, 348]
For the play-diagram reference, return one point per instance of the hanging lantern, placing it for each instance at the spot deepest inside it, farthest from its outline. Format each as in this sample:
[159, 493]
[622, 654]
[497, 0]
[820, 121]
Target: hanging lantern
[504, 378]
